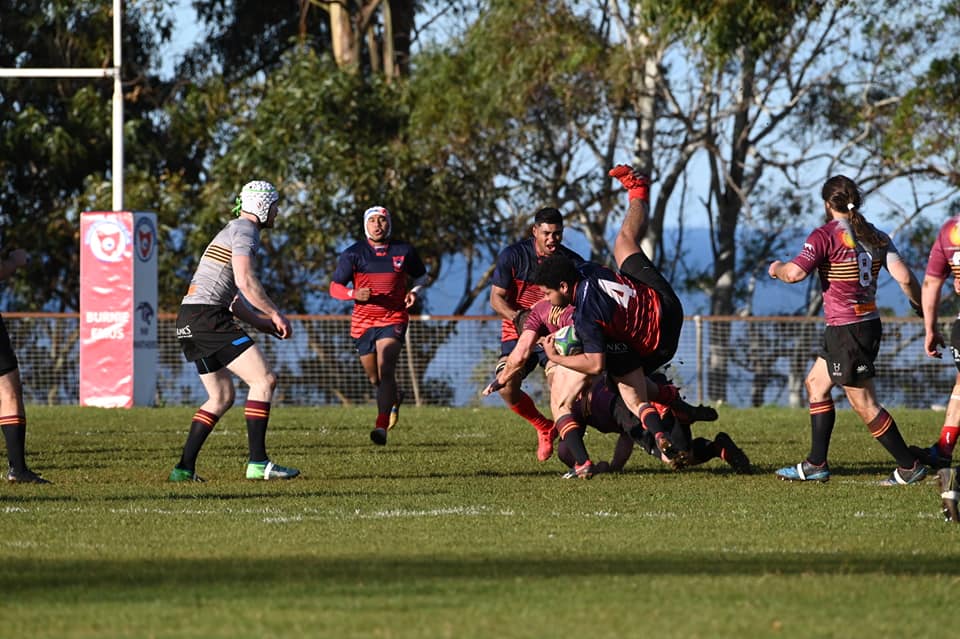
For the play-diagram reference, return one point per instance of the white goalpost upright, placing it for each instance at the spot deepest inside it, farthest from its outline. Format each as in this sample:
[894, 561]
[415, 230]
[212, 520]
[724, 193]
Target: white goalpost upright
[116, 168]
[118, 271]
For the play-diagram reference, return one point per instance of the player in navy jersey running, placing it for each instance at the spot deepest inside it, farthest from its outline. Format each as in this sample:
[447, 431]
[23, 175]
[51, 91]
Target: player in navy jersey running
[513, 292]
[13, 416]
[847, 252]
[379, 270]
[629, 323]
[225, 288]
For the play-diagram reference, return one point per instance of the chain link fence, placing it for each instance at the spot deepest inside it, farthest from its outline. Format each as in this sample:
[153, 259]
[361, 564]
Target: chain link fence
[447, 360]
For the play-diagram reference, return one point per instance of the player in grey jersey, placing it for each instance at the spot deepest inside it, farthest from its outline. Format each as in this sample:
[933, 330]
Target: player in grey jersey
[224, 288]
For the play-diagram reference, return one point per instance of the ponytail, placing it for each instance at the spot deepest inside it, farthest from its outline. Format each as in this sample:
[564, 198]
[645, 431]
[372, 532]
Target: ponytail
[843, 196]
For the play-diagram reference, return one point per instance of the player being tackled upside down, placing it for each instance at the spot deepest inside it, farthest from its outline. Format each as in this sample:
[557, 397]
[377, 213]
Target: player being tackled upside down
[602, 408]
[629, 322]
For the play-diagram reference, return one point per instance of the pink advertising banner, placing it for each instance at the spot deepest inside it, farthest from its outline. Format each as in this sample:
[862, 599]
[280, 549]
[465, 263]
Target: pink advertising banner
[118, 298]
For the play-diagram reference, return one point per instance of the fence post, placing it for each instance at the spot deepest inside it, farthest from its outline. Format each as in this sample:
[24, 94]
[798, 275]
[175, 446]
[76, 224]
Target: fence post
[698, 323]
[411, 369]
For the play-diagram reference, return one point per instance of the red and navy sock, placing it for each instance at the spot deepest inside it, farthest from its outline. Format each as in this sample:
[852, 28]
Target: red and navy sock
[948, 440]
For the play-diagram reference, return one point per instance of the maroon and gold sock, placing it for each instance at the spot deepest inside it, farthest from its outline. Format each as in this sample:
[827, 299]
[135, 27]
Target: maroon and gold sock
[200, 427]
[823, 416]
[257, 415]
[571, 434]
[14, 428]
[884, 430]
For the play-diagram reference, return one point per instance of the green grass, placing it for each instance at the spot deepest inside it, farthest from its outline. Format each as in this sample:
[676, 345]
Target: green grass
[455, 530]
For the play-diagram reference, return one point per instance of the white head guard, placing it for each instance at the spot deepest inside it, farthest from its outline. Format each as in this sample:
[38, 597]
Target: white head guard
[376, 210]
[256, 198]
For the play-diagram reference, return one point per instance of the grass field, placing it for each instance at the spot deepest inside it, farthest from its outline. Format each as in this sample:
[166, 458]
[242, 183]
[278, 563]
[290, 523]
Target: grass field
[455, 530]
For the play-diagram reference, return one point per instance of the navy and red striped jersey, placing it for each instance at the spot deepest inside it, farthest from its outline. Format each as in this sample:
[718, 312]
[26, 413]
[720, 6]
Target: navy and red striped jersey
[613, 308]
[384, 271]
[514, 272]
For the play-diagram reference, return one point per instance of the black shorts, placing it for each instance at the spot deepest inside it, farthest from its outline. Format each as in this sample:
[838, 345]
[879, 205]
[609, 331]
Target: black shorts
[210, 336]
[367, 343]
[8, 359]
[641, 270]
[955, 343]
[850, 351]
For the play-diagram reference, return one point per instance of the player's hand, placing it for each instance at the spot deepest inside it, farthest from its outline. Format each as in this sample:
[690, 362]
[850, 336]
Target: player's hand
[550, 348]
[362, 294]
[491, 388]
[772, 269]
[932, 344]
[956, 286]
[281, 327]
[636, 183]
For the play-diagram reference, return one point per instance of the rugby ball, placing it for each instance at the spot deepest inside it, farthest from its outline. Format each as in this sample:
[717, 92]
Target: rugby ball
[567, 342]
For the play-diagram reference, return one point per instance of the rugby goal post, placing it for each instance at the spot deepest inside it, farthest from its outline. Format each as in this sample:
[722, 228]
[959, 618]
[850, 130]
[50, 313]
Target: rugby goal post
[118, 271]
[116, 168]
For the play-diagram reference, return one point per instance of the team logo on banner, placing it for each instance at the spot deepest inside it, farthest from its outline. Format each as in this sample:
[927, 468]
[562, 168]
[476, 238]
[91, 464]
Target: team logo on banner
[108, 240]
[146, 238]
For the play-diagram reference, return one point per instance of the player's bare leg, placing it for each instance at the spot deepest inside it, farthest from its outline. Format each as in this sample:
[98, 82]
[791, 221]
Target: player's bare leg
[252, 367]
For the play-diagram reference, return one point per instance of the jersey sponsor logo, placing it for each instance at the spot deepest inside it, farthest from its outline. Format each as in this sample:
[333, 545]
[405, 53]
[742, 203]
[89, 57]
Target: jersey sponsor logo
[955, 235]
[836, 370]
[398, 263]
[846, 239]
[184, 332]
[146, 238]
[615, 348]
[108, 240]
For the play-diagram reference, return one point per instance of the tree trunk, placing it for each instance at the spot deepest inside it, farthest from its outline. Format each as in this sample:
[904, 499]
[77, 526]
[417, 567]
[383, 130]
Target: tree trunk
[729, 189]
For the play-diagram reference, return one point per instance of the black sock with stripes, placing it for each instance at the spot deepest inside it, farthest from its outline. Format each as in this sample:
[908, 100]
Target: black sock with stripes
[823, 416]
[201, 426]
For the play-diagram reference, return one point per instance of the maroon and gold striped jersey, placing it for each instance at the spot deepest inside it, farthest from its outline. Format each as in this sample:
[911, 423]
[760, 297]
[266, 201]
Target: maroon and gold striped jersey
[848, 271]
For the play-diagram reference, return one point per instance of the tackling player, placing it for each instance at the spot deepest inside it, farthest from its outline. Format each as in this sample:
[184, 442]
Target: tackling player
[629, 323]
[225, 288]
[545, 319]
[512, 292]
[379, 270]
[847, 252]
